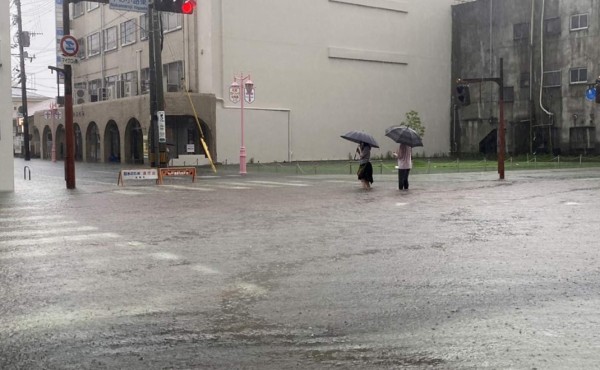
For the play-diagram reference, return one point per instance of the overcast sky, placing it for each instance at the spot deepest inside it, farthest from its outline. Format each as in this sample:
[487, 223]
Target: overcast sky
[39, 19]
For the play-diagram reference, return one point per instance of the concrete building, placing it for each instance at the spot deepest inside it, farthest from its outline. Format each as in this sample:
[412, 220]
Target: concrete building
[319, 71]
[35, 102]
[550, 50]
[7, 182]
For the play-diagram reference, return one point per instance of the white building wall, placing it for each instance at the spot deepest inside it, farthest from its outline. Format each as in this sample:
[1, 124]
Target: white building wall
[7, 182]
[324, 67]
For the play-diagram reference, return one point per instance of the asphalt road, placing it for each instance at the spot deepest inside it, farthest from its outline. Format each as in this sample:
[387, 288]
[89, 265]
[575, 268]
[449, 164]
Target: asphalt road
[266, 271]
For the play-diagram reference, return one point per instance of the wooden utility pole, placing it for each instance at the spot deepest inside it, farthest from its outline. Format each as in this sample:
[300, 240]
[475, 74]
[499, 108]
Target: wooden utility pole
[23, 82]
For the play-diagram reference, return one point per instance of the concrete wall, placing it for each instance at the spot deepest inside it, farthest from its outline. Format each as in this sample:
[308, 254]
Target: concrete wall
[6, 134]
[335, 66]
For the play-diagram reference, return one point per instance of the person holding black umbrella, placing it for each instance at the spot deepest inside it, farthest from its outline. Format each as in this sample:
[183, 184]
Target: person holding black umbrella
[404, 155]
[365, 169]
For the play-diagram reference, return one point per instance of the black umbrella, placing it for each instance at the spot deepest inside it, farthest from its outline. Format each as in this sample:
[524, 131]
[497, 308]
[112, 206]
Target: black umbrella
[360, 137]
[404, 135]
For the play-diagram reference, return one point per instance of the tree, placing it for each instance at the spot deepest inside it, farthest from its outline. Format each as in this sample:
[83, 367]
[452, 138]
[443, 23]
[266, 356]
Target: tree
[414, 121]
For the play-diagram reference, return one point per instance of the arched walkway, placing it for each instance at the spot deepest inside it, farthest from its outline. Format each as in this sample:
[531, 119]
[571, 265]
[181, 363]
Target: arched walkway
[78, 142]
[112, 143]
[61, 148]
[47, 143]
[134, 142]
[36, 144]
[92, 143]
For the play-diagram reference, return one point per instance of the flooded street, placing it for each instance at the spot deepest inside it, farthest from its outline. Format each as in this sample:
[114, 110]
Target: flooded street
[311, 272]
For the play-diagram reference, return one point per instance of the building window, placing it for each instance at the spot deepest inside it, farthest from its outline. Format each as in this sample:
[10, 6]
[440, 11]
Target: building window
[521, 31]
[524, 81]
[173, 72]
[93, 87]
[77, 10]
[509, 94]
[93, 44]
[128, 84]
[128, 35]
[552, 79]
[81, 52]
[109, 36]
[171, 21]
[552, 26]
[145, 80]
[579, 22]
[578, 75]
[143, 27]
[91, 5]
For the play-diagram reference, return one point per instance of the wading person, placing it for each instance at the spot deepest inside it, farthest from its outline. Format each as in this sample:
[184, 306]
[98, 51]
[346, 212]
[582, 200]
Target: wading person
[404, 155]
[365, 169]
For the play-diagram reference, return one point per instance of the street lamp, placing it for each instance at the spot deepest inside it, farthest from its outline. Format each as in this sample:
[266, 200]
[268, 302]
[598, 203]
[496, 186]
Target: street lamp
[248, 96]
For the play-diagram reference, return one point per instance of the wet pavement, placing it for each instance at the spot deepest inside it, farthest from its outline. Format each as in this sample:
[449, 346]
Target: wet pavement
[273, 271]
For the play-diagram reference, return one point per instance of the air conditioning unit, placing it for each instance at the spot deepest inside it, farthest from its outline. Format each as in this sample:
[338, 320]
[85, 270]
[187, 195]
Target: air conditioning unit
[81, 96]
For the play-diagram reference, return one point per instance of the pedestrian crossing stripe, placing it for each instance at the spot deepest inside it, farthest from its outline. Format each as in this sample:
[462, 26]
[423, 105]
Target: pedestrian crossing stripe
[44, 232]
[58, 239]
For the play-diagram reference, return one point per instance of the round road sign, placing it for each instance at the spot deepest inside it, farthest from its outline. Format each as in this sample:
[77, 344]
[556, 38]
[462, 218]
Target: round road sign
[69, 45]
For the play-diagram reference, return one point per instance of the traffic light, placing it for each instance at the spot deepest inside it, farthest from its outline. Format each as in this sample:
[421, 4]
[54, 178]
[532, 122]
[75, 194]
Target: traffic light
[175, 6]
[462, 94]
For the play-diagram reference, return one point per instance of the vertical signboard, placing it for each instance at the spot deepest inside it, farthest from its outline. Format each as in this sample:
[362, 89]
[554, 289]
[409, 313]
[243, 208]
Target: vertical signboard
[162, 129]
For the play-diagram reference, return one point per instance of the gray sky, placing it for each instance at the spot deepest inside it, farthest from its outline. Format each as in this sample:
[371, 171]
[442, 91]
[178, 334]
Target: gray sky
[39, 20]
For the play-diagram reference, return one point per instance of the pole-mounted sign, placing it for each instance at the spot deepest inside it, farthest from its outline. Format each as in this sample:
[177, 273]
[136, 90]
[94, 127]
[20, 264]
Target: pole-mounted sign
[162, 130]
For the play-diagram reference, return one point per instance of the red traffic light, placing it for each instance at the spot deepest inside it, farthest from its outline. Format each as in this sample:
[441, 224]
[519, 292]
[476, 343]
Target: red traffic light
[188, 6]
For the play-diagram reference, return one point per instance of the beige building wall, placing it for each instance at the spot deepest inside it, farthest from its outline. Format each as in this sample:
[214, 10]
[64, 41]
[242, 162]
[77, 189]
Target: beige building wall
[7, 182]
[324, 67]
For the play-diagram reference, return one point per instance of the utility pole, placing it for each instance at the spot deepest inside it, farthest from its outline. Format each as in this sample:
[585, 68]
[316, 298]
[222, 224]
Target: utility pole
[156, 80]
[68, 91]
[23, 82]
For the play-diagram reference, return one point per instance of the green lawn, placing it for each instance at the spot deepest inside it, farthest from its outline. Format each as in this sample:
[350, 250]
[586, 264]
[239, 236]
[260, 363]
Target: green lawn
[421, 165]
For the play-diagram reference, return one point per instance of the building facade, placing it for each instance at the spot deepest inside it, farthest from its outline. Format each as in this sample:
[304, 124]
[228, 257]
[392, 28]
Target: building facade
[549, 50]
[7, 182]
[319, 71]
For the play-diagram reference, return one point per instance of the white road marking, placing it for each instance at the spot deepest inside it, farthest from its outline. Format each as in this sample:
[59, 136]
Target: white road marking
[42, 225]
[29, 218]
[58, 239]
[279, 183]
[571, 204]
[401, 204]
[165, 256]
[38, 232]
[187, 187]
[205, 269]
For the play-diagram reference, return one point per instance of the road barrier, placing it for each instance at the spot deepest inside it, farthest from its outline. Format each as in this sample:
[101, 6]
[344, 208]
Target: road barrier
[177, 171]
[137, 174]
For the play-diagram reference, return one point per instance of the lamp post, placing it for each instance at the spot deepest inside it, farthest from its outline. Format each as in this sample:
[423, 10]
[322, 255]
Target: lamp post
[248, 96]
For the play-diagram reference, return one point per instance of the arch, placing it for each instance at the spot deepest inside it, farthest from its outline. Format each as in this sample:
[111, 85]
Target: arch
[78, 142]
[112, 143]
[60, 146]
[47, 143]
[36, 149]
[183, 130]
[92, 143]
[134, 142]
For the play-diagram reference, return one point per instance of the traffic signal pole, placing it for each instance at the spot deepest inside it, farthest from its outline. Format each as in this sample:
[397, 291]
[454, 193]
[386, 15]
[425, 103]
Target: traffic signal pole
[501, 126]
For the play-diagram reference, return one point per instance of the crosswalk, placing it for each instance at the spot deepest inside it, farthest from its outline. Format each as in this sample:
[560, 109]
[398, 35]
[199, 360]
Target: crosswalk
[214, 184]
